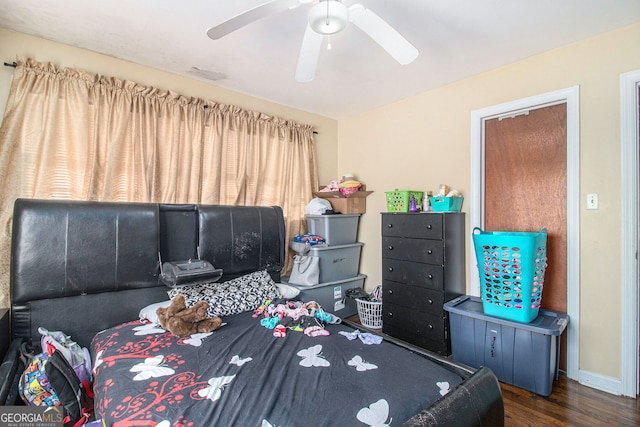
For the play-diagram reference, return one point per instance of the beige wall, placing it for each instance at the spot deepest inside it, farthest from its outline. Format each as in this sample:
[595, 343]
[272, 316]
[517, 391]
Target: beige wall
[13, 45]
[423, 141]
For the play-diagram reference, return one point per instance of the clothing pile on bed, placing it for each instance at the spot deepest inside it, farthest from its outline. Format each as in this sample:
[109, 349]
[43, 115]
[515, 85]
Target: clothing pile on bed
[282, 314]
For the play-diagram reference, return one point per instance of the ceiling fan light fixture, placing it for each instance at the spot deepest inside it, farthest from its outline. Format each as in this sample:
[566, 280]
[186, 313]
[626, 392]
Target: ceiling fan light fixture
[328, 17]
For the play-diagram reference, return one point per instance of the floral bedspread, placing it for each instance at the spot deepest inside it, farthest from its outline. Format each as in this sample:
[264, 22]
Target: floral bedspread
[245, 375]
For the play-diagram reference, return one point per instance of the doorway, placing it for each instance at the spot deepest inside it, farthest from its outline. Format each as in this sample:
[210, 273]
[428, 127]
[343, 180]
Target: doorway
[569, 99]
[630, 164]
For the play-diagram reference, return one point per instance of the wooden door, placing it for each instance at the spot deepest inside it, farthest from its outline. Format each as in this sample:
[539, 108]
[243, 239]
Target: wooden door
[526, 186]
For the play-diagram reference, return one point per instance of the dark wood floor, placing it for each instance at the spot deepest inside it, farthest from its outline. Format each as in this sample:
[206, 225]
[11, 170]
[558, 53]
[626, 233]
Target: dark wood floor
[570, 404]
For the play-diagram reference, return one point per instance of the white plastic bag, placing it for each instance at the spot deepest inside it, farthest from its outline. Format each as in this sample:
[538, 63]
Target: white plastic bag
[317, 206]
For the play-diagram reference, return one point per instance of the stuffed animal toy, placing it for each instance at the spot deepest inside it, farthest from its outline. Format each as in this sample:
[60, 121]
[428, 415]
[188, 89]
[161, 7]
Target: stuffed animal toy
[182, 321]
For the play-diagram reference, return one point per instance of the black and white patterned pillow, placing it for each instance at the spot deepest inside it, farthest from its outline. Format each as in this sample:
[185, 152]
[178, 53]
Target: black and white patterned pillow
[244, 293]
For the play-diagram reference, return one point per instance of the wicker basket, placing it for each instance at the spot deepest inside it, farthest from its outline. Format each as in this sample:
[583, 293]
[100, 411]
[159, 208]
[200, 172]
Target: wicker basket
[370, 313]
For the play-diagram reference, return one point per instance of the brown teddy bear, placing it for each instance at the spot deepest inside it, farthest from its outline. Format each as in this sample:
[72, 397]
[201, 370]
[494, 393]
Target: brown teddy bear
[182, 321]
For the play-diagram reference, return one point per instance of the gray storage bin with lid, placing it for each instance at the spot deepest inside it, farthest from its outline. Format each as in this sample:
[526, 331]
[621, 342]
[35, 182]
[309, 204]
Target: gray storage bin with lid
[522, 354]
[336, 229]
[331, 296]
[337, 262]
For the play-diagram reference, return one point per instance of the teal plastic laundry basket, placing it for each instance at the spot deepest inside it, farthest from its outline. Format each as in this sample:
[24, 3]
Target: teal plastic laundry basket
[511, 266]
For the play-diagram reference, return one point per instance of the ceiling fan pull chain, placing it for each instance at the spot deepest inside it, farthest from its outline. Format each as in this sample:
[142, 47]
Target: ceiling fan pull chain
[327, 22]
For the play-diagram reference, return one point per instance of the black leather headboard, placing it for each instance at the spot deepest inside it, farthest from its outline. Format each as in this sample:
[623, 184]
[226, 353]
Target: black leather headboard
[242, 239]
[178, 232]
[81, 267]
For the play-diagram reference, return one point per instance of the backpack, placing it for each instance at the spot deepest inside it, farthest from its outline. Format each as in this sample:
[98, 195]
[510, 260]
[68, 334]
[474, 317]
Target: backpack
[72, 393]
[49, 380]
[34, 386]
[52, 377]
[78, 357]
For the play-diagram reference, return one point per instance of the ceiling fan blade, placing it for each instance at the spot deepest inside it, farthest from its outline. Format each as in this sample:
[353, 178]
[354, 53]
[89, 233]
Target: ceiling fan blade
[309, 52]
[383, 34]
[250, 16]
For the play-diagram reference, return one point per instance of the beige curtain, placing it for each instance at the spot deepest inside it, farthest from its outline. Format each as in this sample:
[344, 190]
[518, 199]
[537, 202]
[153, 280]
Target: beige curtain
[68, 134]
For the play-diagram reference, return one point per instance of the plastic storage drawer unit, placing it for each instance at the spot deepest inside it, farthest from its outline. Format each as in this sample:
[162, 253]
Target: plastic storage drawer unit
[522, 354]
[336, 229]
[337, 262]
[331, 296]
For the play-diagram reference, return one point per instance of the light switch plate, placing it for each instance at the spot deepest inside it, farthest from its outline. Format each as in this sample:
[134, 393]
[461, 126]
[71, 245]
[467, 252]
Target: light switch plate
[592, 201]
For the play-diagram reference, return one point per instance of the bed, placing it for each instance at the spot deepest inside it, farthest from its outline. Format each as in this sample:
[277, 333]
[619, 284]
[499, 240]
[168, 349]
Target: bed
[89, 268]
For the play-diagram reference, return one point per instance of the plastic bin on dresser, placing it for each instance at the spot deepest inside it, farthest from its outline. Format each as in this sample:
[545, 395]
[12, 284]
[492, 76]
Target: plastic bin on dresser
[331, 295]
[336, 229]
[522, 354]
[337, 262]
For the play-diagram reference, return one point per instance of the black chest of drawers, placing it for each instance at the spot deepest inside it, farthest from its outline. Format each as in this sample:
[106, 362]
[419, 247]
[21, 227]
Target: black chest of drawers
[423, 266]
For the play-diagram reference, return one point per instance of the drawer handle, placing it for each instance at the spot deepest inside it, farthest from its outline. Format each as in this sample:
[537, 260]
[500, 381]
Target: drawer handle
[430, 301]
[430, 276]
[429, 227]
[390, 314]
[430, 252]
[390, 268]
[390, 248]
[390, 291]
[389, 225]
[431, 326]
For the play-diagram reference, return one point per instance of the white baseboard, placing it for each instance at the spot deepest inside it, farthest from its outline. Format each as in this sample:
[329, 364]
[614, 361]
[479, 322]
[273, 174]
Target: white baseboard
[601, 382]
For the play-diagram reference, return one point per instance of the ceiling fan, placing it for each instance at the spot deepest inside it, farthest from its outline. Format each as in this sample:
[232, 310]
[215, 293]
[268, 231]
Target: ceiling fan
[326, 17]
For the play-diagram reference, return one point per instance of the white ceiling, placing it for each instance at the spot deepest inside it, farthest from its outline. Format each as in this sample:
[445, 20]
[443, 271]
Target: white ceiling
[455, 38]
